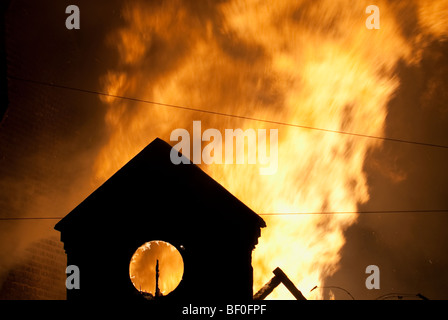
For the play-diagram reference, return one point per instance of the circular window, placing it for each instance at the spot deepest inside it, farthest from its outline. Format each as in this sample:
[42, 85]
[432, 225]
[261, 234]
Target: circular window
[156, 269]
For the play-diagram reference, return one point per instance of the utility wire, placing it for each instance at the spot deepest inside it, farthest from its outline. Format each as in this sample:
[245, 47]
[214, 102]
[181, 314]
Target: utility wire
[334, 287]
[49, 84]
[400, 296]
[356, 212]
[387, 296]
[30, 218]
[272, 214]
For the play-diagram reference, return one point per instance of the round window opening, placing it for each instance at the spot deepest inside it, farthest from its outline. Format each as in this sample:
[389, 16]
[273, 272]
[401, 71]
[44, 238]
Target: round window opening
[156, 269]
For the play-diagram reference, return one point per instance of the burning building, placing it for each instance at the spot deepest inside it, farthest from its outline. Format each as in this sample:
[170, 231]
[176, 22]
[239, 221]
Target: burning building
[150, 198]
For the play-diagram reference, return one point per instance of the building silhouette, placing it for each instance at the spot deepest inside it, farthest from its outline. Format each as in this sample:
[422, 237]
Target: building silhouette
[150, 198]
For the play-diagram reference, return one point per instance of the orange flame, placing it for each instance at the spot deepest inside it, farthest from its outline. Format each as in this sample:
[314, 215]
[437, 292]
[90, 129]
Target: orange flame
[142, 268]
[312, 63]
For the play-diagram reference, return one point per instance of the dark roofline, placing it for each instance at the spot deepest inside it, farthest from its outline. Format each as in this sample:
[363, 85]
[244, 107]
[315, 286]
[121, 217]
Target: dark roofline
[156, 144]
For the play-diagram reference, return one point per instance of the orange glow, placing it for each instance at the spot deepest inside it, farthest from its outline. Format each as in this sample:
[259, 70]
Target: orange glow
[312, 63]
[142, 268]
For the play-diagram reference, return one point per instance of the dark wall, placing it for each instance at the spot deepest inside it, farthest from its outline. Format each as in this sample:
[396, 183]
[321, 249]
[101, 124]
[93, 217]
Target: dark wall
[217, 265]
[39, 275]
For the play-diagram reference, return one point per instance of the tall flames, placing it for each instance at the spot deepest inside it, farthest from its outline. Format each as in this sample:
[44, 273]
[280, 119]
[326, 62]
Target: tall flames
[312, 63]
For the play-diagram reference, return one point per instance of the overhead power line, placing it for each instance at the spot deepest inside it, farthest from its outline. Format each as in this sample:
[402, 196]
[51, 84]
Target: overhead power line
[334, 287]
[400, 296]
[49, 84]
[355, 212]
[245, 118]
[30, 218]
[273, 214]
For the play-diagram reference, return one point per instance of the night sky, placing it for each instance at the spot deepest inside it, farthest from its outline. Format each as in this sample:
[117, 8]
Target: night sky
[51, 138]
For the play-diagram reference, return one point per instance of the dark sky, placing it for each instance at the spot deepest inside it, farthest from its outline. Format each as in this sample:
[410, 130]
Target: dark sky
[409, 248]
[51, 138]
